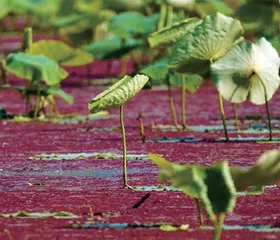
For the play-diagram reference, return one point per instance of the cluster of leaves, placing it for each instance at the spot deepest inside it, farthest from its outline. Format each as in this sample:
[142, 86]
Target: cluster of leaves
[41, 64]
[217, 186]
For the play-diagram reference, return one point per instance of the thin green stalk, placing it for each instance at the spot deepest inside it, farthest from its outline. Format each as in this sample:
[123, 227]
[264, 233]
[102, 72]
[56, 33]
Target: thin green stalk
[222, 111]
[4, 74]
[170, 12]
[38, 101]
[27, 39]
[172, 107]
[199, 212]
[218, 228]
[221, 107]
[125, 185]
[183, 102]
[162, 16]
[182, 14]
[268, 112]
[235, 116]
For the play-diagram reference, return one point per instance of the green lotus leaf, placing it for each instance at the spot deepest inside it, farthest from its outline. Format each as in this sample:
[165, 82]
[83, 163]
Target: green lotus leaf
[275, 41]
[112, 48]
[61, 53]
[40, 7]
[118, 94]
[57, 92]
[170, 35]
[264, 172]
[207, 7]
[35, 68]
[129, 24]
[158, 70]
[192, 82]
[213, 185]
[207, 42]
[4, 8]
[248, 71]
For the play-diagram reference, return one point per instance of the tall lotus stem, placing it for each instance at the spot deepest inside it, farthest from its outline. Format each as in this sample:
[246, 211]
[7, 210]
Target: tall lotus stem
[4, 73]
[162, 16]
[172, 107]
[235, 116]
[218, 228]
[221, 107]
[199, 212]
[268, 112]
[183, 103]
[169, 16]
[27, 39]
[124, 149]
[38, 101]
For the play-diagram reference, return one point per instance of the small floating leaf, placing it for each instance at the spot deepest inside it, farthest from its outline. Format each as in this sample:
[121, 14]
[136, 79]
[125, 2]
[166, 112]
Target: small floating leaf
[23, 214]
[61, 53]
[35, 68]
[208, 41]
[118, 94]
[247, 71]
[172, 228]
[170, 35]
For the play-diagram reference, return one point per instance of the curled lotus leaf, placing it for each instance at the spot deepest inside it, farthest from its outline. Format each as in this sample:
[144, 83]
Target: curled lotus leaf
[207, 42]
[35, 68]
[170, 35]
[248, 71]
[264, 172]
[118, 94]
[61, 53]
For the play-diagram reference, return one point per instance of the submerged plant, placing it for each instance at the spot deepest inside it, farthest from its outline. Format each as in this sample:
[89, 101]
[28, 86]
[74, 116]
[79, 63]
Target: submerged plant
[205, 44]
[116, 96]
[216, 186]
[248, 71]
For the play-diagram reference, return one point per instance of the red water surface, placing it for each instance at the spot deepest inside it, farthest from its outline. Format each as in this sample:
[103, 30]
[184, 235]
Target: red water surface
[76, 185]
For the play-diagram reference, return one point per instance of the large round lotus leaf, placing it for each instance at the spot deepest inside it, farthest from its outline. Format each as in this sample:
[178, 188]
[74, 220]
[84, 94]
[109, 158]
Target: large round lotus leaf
[61, 53]
[170, 35]
[35, 68]
[112, 48]
[128, 24]
[207, 42]
[246, 71]
[118, 94]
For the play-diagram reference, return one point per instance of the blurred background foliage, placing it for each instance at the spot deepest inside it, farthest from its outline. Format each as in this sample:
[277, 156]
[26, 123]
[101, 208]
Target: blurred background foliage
[81, 22]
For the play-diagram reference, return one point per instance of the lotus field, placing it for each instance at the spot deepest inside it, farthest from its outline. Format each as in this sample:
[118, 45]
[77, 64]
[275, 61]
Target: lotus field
[145, 119]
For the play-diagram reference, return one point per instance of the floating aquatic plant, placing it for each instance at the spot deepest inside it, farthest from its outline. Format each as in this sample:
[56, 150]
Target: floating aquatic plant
[116, 96]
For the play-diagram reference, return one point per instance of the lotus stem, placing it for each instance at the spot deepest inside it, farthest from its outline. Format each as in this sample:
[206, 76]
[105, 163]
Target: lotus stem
[182, 14]
[200, 216]
[172, 107]
[221, 107]
[124, 148]
[27, 39]
[268, 112]
[183, 103]
[169, 16]
[4, 74]
[142, 129]
[38, 100]
[162, 16]
[218, 228]
[235, 116]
